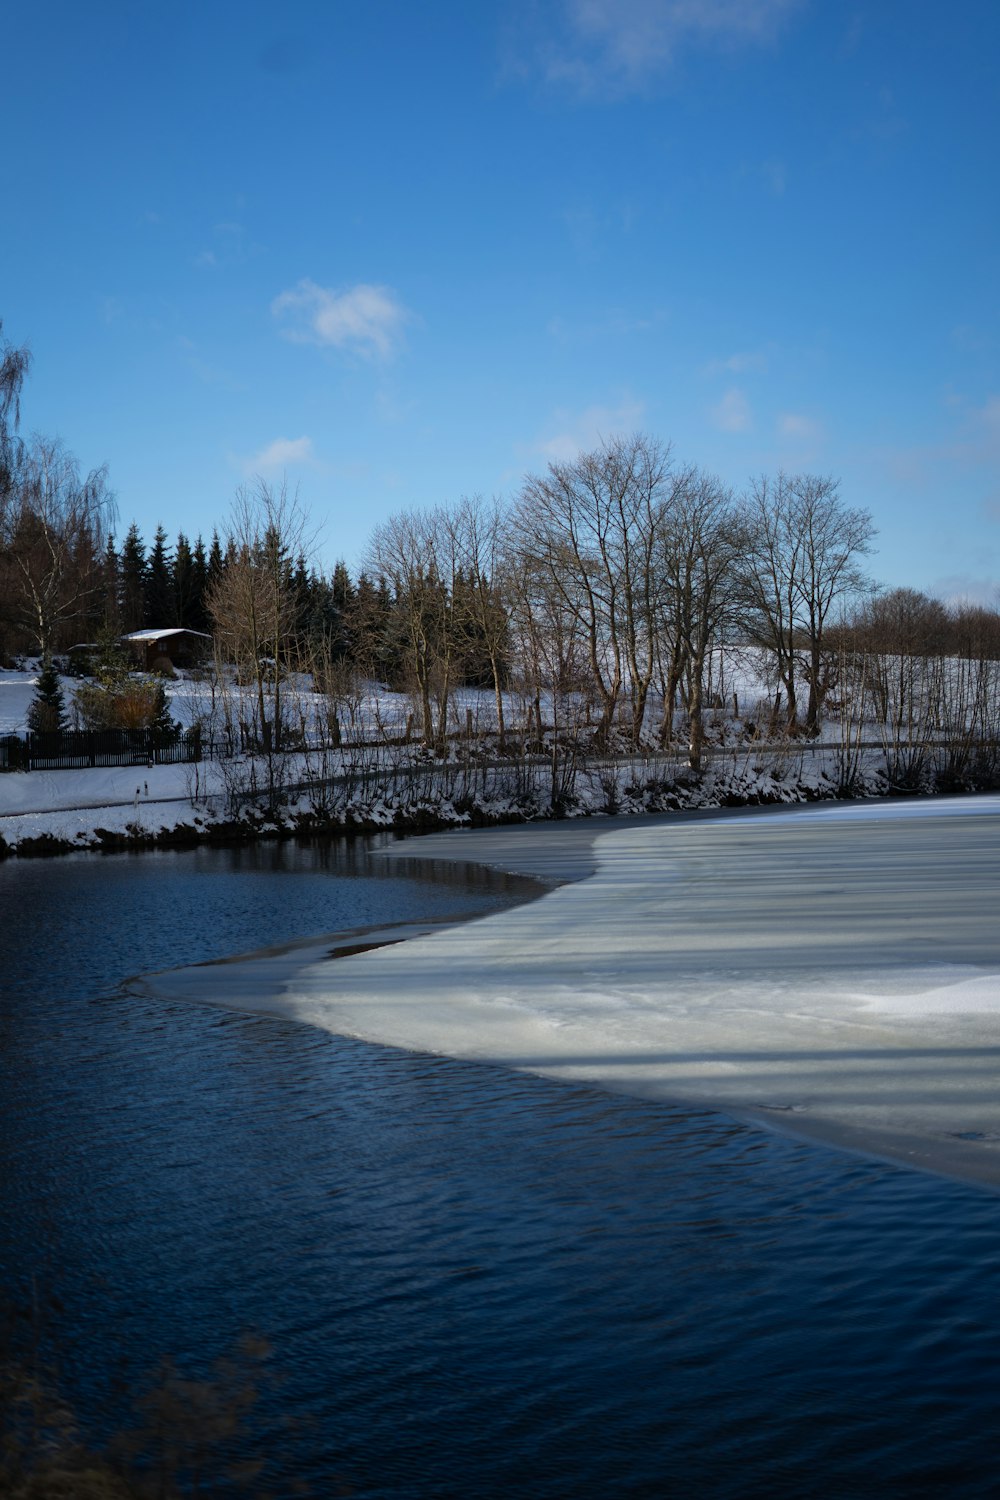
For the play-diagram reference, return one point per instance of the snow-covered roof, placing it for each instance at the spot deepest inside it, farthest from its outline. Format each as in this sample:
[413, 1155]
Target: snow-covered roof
[159, 635]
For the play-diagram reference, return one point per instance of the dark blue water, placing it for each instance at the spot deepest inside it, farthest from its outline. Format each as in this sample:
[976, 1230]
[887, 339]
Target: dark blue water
[471, 1283]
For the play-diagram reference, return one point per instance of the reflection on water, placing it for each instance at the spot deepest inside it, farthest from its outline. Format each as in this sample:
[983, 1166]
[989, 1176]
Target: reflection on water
[475, 1283]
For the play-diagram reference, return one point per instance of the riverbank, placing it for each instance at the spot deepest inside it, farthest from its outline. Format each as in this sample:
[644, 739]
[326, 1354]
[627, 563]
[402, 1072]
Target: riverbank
[121, 808]
[833, 972]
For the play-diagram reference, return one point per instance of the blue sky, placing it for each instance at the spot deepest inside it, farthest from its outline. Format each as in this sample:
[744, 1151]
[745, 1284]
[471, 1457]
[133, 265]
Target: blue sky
[401, 253]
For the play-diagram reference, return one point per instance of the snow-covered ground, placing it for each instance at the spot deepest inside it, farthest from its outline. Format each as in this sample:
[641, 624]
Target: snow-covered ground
[832, 971]
[392, 781]
[82, 808]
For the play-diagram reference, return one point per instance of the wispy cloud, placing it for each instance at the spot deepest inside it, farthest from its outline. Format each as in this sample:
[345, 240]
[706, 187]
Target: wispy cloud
[205, 369]
[966, 588]
[971, 339]
[732, 414]
[577, 432]
[775, 175]
[282, 453]
[621, 46]
[987, 416]
[737, 364]
[971, 441]
[230, 246]
[366, 319]
[616, 323]
[797, 428]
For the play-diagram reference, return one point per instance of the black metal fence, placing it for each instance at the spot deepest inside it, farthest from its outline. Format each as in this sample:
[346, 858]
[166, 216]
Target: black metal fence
[76, 749]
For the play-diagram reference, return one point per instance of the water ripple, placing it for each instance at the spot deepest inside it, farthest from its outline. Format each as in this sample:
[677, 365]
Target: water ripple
[474, 1282]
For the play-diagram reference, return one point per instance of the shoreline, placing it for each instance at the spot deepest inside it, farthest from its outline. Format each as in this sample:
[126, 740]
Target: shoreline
[120, 809]
[865, 1018]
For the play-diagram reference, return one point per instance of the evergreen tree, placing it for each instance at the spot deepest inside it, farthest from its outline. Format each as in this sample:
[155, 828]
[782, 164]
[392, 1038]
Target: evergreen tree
[372, 652]
[343, 600]
[47, 711]
[112, 589]
[160, 609]
[132, 572]
[303, 592]
[163, 726]
[113, 662]
[183, 582]
[216, 563]
[199, 583]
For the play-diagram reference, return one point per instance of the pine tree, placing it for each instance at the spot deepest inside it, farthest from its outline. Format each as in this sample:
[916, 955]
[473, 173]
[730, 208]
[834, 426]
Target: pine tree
[132, 569]
[164, 728]
[183, 582]
[199, 583]
[342, 599]
[160, 609]
[112, 588]
[47, 711]
[371, 650]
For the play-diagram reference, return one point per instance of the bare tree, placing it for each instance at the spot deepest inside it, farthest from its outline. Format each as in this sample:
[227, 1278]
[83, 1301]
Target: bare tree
[702, 536]
[593, 525]
[53, 530]
[549, 649]
[419, 555]
[14, 366]
[480, 533]
[801, 551]
[903, 637]
[253, 606]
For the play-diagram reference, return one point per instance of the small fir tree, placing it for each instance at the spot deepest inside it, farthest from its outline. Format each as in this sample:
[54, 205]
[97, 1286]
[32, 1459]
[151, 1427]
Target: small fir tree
[165, 729]
[47, 711]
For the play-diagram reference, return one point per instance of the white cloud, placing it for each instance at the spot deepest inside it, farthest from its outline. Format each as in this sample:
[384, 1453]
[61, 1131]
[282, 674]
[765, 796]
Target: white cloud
[621, 45]
[799, 428]
[581, 431]
[366, 319]
[733, 413]
[282, 454]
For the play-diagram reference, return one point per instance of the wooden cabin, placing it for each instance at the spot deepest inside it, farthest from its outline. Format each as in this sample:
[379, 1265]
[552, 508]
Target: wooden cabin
[162, 650]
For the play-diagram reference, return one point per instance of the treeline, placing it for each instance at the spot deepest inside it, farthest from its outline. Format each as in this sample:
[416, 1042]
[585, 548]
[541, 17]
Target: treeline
[596, 601]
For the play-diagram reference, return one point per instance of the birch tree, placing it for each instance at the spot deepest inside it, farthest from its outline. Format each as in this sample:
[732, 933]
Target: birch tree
[702, 538]
[253, 606]
[54, 525]
[801, 554]
[593, 525]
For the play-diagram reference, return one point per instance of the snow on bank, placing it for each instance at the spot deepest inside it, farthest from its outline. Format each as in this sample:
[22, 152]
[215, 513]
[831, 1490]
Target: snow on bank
[392, 785]
[838, 975]
[49, 810]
